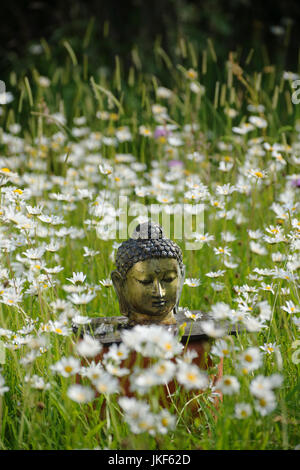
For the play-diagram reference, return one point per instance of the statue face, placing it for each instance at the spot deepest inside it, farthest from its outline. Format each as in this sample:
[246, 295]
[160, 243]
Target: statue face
[152, 287]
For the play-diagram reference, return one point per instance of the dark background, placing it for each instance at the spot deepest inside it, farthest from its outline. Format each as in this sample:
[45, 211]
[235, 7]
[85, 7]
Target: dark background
[229, 24]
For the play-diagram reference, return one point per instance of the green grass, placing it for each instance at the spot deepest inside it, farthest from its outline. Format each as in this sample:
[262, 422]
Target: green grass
[49, 419]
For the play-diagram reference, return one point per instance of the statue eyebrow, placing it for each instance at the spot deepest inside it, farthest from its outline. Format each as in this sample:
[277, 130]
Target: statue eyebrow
[158, 271]
[144, 278]
[139, 269]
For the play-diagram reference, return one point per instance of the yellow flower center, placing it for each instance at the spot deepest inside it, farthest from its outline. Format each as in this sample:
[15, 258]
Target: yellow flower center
[192, 74]
[161, 370]
[191, 377]
[143, 425]
[227, 381]
[248, 358]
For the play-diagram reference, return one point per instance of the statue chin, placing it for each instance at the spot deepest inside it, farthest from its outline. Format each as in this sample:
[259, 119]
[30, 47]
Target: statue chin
[144, 319]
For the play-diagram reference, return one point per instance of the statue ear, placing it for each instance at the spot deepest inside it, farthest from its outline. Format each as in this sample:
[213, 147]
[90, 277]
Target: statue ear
[179, 290]
[117, 281]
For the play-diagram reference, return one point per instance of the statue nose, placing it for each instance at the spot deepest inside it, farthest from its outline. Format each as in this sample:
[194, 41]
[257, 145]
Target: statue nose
[157, 289]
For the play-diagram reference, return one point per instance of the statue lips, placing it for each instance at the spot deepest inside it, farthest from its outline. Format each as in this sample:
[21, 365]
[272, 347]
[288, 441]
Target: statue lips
[158, 302]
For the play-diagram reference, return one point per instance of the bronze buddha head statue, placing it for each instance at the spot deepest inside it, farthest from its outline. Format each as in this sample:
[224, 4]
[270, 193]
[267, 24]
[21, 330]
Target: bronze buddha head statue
[149, 276]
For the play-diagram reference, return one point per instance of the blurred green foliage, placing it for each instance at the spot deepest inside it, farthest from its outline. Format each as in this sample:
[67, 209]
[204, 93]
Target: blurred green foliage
[118, 28]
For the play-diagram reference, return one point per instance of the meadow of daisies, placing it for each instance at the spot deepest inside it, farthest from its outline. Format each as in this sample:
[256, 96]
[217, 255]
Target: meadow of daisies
[222, 133]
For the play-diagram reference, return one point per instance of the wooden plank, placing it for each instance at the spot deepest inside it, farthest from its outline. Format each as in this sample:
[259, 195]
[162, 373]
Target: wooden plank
[108, 329]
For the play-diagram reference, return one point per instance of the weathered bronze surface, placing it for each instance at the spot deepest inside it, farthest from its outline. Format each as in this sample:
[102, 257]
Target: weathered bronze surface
[148, 282]
[149, 276]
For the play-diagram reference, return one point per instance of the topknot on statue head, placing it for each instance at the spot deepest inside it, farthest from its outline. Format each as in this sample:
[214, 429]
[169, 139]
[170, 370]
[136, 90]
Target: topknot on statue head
[147, 230]
[147, 241]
